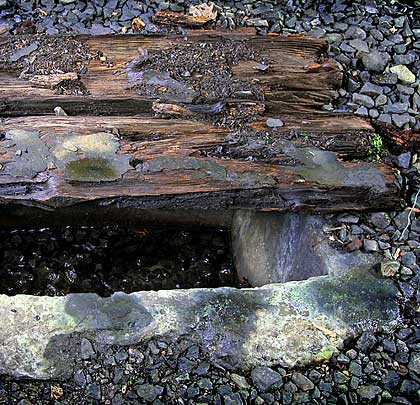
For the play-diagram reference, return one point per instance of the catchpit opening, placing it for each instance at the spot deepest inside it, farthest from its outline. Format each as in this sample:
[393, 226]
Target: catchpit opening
[256, 250]
[60, 261]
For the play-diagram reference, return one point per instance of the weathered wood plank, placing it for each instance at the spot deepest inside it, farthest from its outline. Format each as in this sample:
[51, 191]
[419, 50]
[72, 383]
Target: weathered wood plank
[346, 135]
[153, 165]
[289, 85]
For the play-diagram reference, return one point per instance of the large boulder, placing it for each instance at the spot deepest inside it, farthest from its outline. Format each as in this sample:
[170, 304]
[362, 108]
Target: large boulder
[275, 248]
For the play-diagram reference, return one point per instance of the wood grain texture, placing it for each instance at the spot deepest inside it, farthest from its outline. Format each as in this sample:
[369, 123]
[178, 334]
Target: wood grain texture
[208, 184]
[289, 86]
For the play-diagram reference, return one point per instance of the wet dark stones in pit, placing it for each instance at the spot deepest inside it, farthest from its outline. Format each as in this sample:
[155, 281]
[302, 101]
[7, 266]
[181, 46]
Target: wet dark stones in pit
[75, 260]
[195, 73]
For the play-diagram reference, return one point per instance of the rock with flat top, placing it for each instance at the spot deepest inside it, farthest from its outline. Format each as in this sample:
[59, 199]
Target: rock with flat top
[297, 322]
[405, 75]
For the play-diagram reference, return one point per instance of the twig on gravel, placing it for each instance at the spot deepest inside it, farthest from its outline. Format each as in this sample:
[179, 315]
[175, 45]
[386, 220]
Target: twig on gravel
[409, 214]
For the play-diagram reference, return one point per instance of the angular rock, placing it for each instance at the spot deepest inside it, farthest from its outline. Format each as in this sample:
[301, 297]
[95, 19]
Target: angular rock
[375, 61]
[239, 381]
[396, 108]
[359, 45]
[400, 120]
[414, 364]
[386, 118]
[265, 378]
[404, 160]
[370, 245]
[385, 78]
[405, 75]
[303, 382]
[362, 111]
[390, 380]
[405, 59]
[390, 268]
[363, 100]
[379, 219]
[408, 259]
[371, 90]
[369, 392]
[149, 392]
[86, 349]
[381, 100]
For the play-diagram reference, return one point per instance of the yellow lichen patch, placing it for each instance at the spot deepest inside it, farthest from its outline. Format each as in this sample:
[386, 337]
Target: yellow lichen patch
[98, 143]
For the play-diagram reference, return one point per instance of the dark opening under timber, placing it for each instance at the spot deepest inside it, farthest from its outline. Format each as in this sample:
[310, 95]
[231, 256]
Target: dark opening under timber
[59, 261]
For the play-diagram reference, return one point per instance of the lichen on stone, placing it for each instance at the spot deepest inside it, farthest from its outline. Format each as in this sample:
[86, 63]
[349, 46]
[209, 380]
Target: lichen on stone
[31, 153]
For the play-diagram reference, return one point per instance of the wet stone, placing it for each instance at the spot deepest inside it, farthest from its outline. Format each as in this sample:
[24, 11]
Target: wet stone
[265, 378]
[303, 382]
[148, 392]
[84, 260]
[86, 349]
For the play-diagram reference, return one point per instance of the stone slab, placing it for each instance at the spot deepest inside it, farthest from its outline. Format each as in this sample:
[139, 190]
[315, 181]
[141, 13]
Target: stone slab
[292, 323]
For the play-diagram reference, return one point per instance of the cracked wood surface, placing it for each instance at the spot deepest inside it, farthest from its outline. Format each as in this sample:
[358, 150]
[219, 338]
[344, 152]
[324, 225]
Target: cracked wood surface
[168, 171]
[290, 86]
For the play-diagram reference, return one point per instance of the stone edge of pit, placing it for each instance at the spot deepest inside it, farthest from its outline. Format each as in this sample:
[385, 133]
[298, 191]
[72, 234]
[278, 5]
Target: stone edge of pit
[294, 323]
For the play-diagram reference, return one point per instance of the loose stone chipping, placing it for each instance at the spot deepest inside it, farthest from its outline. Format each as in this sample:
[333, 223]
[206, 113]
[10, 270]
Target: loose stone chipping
[288, 324]
[198, 73]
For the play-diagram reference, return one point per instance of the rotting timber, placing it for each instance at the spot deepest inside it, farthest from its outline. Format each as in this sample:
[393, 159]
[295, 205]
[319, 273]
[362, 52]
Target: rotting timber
[141, 144]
